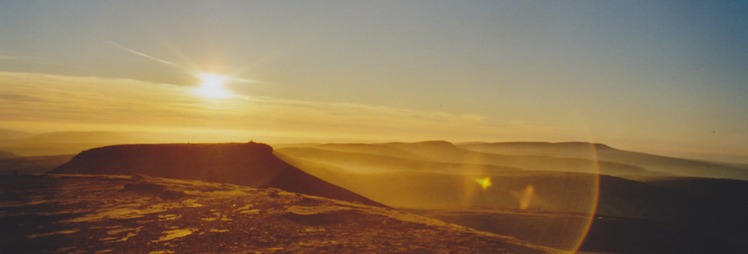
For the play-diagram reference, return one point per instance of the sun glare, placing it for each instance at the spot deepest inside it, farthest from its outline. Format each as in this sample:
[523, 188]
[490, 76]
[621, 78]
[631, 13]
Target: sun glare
[212, 86]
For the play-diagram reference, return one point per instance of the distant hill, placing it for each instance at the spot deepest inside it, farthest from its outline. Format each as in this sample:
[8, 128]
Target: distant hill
[402, 156]
[6, 155]
[11, 134]
[250, 164]
[73, 142]
[32, 165]
[91, 137]
[70, 142]
[653, 163]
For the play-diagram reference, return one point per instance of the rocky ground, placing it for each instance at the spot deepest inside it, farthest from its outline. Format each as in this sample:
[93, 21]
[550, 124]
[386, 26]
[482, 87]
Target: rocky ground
[138, 214]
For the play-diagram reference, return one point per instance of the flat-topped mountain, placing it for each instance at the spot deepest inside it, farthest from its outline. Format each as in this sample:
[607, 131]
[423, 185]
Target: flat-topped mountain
[250, 164]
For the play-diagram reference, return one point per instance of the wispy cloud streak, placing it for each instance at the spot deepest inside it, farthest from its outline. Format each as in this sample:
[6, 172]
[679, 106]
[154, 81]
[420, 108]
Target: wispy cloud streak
[147, 56]
[174, 64]
[5, 56]
[130, 102]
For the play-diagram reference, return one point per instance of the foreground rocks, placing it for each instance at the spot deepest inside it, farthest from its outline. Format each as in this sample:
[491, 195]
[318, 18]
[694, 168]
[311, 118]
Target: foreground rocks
[114, 214]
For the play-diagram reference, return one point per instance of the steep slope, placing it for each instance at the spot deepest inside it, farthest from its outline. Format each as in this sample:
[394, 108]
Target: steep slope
[249, 164]
[120, 214]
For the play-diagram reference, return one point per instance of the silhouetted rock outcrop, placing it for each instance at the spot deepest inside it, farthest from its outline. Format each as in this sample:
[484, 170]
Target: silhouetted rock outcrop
[251, 164]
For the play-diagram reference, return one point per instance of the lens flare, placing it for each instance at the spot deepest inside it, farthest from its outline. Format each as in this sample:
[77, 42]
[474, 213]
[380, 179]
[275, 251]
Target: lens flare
[484, 182]
[527, 196]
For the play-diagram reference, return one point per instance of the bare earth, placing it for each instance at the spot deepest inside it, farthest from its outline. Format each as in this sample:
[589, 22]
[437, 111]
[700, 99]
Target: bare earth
[114, 214]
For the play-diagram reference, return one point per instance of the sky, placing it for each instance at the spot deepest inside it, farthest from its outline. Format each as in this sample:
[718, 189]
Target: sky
[659, 76]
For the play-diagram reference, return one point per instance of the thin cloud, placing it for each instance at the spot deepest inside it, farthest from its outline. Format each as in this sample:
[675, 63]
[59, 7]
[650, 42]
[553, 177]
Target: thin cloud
[173, 64]
[242, 80]
[147, 56]
[129, 102]
[5, 56]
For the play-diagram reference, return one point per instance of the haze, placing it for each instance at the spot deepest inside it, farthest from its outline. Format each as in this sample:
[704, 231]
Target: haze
[666, 77]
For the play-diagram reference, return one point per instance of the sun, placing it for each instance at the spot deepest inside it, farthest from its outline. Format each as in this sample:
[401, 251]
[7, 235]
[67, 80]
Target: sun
[212, 86]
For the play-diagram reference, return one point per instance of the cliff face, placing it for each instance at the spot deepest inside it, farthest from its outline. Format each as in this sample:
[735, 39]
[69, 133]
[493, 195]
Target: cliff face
[249, 164]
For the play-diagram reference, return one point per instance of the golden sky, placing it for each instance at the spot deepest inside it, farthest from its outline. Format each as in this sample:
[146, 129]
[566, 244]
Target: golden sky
[665, 77]
[50, 102]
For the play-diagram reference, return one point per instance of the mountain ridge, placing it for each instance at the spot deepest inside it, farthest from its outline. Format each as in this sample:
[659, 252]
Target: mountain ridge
[656, 163]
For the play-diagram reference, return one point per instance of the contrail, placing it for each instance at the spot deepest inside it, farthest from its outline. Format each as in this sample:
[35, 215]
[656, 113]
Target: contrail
[152, 58]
